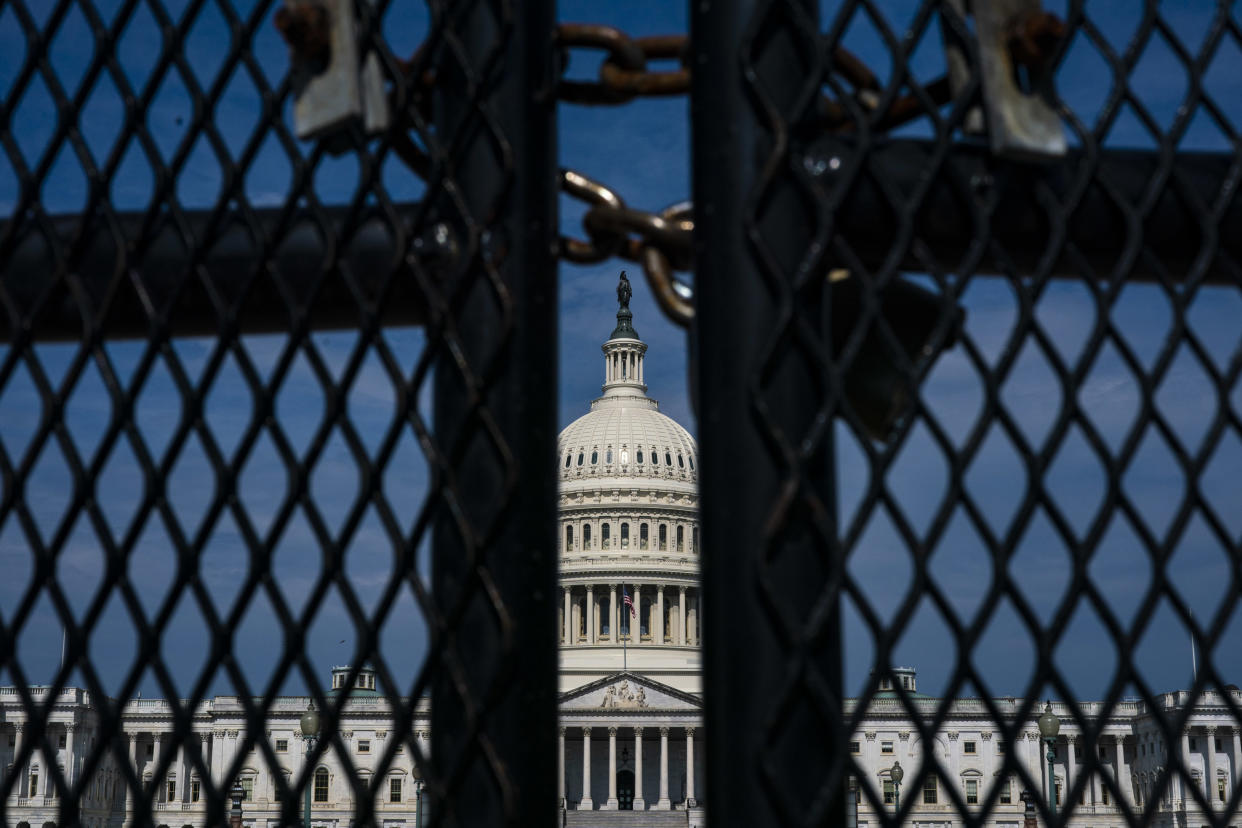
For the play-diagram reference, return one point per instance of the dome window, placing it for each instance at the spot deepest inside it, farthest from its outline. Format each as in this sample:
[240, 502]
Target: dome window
[569, 538]
[625, 456]
[681, 537]
[663, 537]
[608, 456]
[642, 536]
[640, 456]
[605, 533]
[568, 459]
[586, 536]
[668, 459]
[692, 462]
[594, 457]
[580, 456]
[655, 458]
[681, 461]
[625, 536]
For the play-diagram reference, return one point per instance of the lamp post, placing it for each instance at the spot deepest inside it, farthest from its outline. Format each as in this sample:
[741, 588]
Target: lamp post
[896, 774]
[1049, 727]
[310, 734]
[235, 815]
[418, 796]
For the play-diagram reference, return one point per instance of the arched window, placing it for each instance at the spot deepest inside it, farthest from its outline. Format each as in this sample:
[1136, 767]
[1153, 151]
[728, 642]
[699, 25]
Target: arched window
[594, 457]
[639, 459]
[694, 540]
[580, 456]
[625, 456]
[692, 462]
[608, 456]
[681, 461]
[663, 537]
[655, 457]
[568, 458]
[321, 785]
[625, 536]
[586, 536]
[668, 459]
[642, 536]
[605, 531]
[569, 538]
[681, 537]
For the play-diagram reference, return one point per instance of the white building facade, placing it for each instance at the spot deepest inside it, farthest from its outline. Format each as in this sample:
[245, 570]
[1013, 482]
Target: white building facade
[631, 690]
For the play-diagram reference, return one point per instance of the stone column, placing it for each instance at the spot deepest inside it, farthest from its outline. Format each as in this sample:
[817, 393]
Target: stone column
[567, 621]
[71, 775]
[590, 614]
[1123, 773]
[690, 803]
[586, 804]
[1071, 753]
[639, 803]
[1237, 758]
[133, 762]
[597, 619]
[1185, 763]
[160, 791]
[560, 768]
[612, 770]
[659, 614]
[614, 617]
[19, 738]
[681, 615]
[1210, 739]
[663, 804]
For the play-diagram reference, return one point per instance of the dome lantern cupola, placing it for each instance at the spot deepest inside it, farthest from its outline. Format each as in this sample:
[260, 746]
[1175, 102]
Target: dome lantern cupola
[624, 351]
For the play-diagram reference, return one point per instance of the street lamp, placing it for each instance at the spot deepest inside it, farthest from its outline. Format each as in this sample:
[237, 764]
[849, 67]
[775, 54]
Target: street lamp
[896, 774]
[310, 734]
[418, 796]
[1049, 727]
[237, 792]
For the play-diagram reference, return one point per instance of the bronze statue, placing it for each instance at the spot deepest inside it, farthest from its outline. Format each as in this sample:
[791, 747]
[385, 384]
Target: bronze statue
[623, 291]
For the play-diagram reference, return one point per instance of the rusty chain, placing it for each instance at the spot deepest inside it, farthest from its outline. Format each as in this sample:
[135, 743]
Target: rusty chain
[661, 242]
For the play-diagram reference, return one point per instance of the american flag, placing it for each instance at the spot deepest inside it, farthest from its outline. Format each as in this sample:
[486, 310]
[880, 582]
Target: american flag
[629, 603]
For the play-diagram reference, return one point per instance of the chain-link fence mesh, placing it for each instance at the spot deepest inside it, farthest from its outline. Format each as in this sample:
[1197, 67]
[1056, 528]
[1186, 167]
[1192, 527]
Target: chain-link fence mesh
[856, 205]
[158, 191]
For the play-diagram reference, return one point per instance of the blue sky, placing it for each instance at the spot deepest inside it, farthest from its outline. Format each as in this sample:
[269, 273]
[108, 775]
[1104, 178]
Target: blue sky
[642, 150]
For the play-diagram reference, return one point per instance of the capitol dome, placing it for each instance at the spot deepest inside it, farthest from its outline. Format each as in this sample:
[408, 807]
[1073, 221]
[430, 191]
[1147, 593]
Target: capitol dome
[629, 531]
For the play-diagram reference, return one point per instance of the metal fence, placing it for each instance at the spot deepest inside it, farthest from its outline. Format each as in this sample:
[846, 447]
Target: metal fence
[841, 215]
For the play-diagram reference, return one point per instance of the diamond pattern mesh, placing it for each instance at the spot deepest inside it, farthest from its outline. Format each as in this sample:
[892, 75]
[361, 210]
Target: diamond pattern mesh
[158, 195]
[1047, 476]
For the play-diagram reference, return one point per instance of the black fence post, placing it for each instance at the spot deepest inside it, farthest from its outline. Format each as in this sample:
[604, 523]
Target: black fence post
[772, 649]
[493, 759]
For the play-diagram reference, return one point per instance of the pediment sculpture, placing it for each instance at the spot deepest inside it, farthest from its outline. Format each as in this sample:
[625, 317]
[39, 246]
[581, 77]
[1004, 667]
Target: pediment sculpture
[622, 696]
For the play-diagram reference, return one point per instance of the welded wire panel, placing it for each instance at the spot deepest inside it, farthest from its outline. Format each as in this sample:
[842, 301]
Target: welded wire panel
[264, 403]
[969, 411]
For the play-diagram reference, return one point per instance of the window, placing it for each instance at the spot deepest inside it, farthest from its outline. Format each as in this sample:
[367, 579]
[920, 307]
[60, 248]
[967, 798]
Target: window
[594, 457]
[586, 536]
[655, 457]
[1057, 790]
[1219, 748]
[663, 537]
[639, 458]
[364, 745]
[855, 748]
[394, 789]
[282, 745]
[890, 792]
[608, 456]
[1220, 789]
[61, 741]
[1001, 747]
[625, 456]
[172, 790]
[195, 790]
[968, 747]
[886, 747]
[604, 532]
[1103, 795]
[681, 536]
[569, 538]
[580, 456]
[247, 783]
[642, 536]
[668, 459]
[321, 785]
[694, 540]
[151, 750]
[972, 791]
[1193, 746]
[625, 536]
[34, 782]
[681, 461]
[930, 791]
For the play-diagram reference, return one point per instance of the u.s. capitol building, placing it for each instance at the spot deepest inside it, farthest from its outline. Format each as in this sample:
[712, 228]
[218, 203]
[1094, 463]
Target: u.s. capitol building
[631, 693]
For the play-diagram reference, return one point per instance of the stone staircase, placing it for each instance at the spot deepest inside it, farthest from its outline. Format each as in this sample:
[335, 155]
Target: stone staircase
[630, 819]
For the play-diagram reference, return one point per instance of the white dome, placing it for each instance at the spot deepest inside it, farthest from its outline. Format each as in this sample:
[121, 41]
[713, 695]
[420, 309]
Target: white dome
[626, 436]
